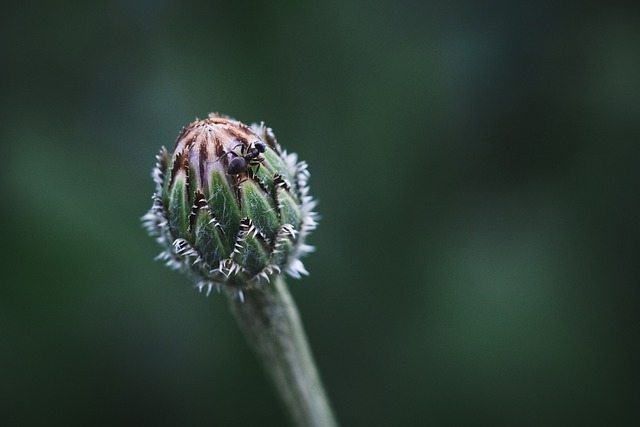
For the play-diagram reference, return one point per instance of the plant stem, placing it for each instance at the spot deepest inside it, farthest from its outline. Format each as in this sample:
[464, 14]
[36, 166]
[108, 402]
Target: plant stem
[271, 323]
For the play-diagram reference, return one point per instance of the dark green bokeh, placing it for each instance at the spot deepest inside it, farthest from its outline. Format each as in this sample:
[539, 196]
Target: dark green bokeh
[477, 171]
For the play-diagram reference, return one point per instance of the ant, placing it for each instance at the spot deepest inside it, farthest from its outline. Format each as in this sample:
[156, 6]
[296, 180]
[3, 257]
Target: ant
[248, 157]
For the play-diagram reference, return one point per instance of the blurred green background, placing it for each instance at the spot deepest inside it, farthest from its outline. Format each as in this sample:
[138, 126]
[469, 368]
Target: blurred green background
[477, 172]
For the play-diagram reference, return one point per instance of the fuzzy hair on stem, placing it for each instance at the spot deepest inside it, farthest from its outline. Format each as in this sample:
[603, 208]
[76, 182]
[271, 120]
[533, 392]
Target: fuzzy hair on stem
[270, 321]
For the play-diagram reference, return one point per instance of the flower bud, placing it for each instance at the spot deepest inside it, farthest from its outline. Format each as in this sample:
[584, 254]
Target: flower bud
[231, 207]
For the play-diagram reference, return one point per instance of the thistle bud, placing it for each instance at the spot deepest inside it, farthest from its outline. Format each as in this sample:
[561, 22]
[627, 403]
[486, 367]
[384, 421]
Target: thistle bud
[231, 207]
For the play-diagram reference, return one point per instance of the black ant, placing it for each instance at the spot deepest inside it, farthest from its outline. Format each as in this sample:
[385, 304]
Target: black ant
[248, 157]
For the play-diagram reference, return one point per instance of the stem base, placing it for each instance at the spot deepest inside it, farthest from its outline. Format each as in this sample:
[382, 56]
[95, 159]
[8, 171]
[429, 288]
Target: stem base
[271, 323]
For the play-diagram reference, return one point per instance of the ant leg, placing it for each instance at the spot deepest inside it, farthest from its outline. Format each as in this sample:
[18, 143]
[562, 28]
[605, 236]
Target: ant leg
[249, 172]
[243, 150]
[226, 153]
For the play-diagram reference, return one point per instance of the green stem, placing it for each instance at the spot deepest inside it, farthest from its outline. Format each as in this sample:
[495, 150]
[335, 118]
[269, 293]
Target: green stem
[270, 320]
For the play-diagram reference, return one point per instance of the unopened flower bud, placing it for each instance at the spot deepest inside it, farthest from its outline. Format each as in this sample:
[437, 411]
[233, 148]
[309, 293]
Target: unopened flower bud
[231, 207]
